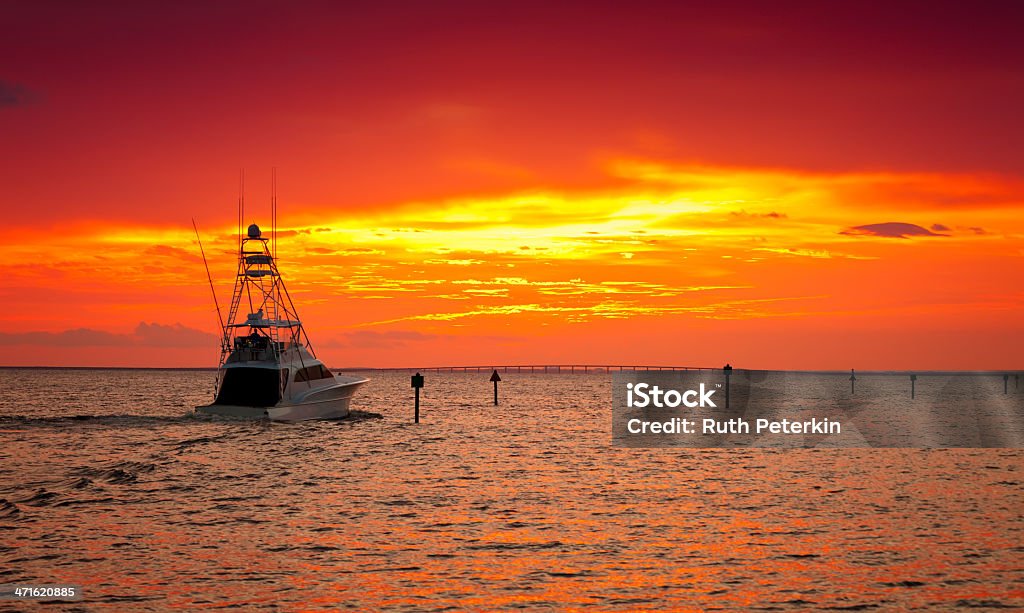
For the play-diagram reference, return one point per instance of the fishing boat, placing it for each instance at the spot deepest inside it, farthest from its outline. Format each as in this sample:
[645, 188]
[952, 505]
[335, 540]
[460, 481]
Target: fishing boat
[268, 369]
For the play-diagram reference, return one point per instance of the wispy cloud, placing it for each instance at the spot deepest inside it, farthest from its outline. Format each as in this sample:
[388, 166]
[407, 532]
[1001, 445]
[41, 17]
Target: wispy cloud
[611, 309]
[391, 339]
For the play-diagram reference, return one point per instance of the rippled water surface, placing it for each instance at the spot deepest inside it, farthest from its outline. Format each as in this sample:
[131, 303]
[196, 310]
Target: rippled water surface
[107, 481]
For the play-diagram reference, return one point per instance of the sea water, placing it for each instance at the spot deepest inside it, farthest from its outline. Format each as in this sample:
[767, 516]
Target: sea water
[109, 482]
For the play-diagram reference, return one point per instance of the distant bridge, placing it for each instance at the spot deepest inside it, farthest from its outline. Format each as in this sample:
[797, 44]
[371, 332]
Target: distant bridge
[534, 368]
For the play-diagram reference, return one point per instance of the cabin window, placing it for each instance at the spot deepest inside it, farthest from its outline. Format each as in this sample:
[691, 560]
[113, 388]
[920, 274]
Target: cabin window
[312, 373]
[250, 387]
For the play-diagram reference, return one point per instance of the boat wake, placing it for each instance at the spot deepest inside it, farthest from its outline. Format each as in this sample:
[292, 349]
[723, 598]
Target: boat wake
[17, 423]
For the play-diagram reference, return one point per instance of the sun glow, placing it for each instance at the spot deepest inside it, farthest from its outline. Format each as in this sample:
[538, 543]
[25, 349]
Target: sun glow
[665, 249]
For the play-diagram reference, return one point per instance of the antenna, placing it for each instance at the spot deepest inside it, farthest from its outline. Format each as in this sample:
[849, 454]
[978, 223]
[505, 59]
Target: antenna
[241, 204]
[273, 209]
[239, 211]
[209, 277]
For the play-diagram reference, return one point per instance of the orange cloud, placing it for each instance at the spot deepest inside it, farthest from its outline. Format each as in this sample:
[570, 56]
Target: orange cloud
[672, 245]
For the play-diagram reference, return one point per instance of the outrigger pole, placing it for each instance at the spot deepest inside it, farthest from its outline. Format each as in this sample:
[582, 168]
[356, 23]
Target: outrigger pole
[220, 318]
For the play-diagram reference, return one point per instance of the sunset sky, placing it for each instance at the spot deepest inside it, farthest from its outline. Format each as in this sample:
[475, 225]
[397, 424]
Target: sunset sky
[776, 185]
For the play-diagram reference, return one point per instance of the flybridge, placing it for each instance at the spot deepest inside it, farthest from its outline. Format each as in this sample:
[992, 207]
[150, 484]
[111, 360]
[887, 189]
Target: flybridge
[671, 398]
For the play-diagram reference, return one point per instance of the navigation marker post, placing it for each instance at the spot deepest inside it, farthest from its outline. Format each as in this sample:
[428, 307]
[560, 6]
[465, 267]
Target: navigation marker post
[913, 380]
[727, 369]
[495, 378]
[417, 383]
[853, 378]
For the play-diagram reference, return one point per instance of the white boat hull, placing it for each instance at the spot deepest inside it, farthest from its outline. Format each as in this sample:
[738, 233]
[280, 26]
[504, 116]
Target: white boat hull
[330, 402]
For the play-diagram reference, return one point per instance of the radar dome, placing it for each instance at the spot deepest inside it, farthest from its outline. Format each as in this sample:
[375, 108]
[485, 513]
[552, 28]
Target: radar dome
[254, 231]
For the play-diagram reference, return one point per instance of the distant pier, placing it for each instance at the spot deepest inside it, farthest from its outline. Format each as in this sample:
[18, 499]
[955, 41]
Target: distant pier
[533, 368]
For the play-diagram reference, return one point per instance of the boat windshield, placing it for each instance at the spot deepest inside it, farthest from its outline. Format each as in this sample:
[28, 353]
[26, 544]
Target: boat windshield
[252, 341]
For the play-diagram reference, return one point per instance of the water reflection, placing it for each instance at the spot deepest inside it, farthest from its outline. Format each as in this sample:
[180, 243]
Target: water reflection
[478, 507]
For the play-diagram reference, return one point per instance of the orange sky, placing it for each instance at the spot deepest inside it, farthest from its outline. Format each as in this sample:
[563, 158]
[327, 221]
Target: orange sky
[462, 184]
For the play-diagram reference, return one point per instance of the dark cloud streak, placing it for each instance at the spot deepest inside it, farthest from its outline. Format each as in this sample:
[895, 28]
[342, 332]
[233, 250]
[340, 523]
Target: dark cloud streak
[16, 94]
[145, 335]
[890, 229]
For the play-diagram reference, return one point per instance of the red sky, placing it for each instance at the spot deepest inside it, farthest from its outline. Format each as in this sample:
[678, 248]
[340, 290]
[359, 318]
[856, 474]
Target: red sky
[522, 182]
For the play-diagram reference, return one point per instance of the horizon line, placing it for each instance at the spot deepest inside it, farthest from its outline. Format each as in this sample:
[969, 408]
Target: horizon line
[569, 369]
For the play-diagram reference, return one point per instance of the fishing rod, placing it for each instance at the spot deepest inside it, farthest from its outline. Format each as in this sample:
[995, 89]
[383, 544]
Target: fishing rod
[209, 277]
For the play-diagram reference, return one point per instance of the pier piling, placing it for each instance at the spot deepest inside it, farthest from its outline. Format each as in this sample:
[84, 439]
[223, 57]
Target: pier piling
[913, 382]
